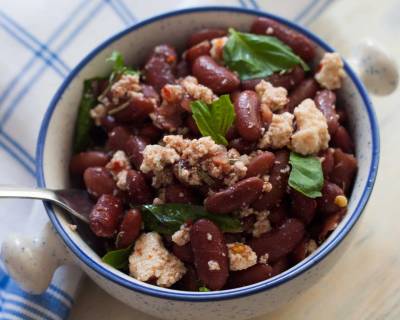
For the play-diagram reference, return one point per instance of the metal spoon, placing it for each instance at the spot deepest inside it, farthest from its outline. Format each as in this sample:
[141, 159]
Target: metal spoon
[75, 202]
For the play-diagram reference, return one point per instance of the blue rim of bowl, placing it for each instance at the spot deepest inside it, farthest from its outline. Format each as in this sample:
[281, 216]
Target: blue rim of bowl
[295, 271]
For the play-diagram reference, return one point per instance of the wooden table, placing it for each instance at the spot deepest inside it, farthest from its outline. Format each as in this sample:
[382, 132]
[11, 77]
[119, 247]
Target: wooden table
[365, 283]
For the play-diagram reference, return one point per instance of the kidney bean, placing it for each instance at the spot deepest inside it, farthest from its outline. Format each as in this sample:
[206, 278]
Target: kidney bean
[248, 223]
[279, 179]
[344, 170]
[327, 162]
[189, 281]
[326, 203]
[150, 132]
[159, 68]
[182, 69]
[138, 190]
[246, 277]
[300, 252]
[302, 207]
[177, 193]
[330, 224]
[149, 92]
[83, 160]
[168, 117]
[183, 253]
[205, 34]
[191, 124]
[325, 100]
[117, 138]
[98, 181]
[243, 146]
[108, 123]
[280, 266]
[211, 74]
[200, 49]
[105, 216]
[129, 229]
[342, 116]
[341, 139]
[261, 164]
[209, 254]
[278, 215]
[233, 237]
[240, 195]
[279, 242]
[288, 80]
[138, 108]
[306, 89]
[300, 44]
[134, 147]
[248, 122]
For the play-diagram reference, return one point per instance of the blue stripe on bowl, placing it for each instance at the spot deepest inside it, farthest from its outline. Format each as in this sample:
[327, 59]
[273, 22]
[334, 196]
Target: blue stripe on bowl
[298, 269]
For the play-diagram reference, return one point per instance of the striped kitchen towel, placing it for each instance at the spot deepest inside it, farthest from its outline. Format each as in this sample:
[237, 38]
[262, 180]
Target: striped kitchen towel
[40, 42]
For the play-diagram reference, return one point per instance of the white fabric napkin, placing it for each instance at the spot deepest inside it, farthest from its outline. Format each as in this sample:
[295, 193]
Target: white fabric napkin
[41, 41]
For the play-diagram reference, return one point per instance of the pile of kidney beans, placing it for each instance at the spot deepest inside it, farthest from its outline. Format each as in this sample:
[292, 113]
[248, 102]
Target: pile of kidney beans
[295, 218]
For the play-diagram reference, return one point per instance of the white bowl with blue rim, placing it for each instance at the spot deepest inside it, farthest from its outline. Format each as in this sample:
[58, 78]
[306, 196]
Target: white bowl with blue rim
[54, 151]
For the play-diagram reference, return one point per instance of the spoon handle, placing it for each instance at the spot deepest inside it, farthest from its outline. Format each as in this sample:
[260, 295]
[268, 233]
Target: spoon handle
[40, 194]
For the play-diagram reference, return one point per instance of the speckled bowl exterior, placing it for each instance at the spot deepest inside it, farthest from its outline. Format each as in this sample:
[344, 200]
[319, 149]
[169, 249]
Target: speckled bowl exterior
[54, 151]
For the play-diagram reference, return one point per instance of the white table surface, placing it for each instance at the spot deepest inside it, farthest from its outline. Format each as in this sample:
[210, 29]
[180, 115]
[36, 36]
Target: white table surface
[365, 283]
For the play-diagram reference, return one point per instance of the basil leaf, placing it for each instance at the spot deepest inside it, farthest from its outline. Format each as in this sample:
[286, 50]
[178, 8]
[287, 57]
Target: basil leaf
[118, 258]
[257, 56]
[84, 122]
[167, 218]
[215, 119]
[306, 175]
[204, 289]
[119, 67]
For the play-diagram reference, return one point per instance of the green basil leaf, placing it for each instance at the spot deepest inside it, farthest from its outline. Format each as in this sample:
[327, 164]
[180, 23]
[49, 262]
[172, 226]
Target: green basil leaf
[306, 175]
[118, 258]
[215, 119]
[118, 66]
[204, 289]
[167, 218]
[256, 56]
[84, 122]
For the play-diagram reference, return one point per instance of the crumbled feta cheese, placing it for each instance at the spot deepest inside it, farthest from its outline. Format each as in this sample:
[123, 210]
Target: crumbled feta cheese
[97, 113]
[267, 186]
[121, 180]
[262, 225]
[217, 48]
[182, 236]
[156, 158]
[118, 163]
[213, 265]
[312, 133]
[150, 260]
[124, 87]
[331, 71]
[279, 131]
[274, 98]
[311, 246]
[263, 258]
[241, 256]
[245, 212]
[197, 91]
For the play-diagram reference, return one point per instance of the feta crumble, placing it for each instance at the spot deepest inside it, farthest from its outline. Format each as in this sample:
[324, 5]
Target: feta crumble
[331, 71]
[151, 260]
[312, 133]
[182, 236]
[279, 132]
[274, 98]
[213, 265]
[241, 256]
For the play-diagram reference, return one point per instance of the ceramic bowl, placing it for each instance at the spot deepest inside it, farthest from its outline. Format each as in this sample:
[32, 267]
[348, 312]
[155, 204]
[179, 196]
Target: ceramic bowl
[54, 152]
